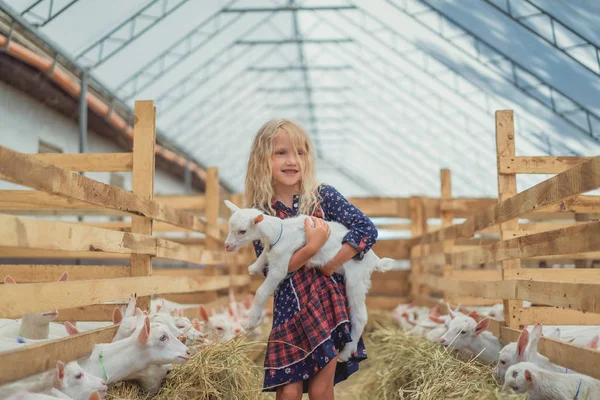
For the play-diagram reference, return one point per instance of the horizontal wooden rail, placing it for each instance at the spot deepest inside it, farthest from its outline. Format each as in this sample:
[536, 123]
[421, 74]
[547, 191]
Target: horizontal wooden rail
[556, 316]
[27, 273]
[43, 356]
[574, 275]
[28, 171]
[578, 179]
[16, 300]
[537, 165]
[94, 312]
[33, 202]
[89, 162]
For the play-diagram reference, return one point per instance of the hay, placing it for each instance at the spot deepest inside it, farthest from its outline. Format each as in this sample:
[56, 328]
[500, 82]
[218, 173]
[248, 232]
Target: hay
[221, 371]
[406, 367]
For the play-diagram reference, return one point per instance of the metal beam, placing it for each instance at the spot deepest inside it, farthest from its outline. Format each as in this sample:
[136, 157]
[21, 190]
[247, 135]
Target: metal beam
[51, 14]
[305, 68]
[301, 88]
[294, 41]
[128, 26]
[289, 8]
[308, 105]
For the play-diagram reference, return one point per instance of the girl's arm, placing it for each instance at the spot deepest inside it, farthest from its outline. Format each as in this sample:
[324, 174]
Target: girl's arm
[362, 233]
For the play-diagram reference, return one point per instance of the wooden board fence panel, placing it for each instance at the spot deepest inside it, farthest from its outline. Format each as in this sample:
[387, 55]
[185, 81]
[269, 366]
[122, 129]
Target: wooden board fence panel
[27, 273]
[537, 165]
[89, 162]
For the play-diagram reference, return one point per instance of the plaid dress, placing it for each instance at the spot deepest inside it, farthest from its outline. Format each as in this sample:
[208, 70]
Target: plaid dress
[310, 317]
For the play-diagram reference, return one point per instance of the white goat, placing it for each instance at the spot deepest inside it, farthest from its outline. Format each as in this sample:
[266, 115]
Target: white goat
[247, 225]
[31, 326]
[466, 333]
[541, 384]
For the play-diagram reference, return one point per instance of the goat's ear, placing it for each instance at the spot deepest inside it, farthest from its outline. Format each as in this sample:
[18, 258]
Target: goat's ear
[9, 279]
[248, 301]
[71, 329]
[64, 277]
[138, 312]
[451, 311]
[522, 342]
[231, 206]
[592, 344]
[435, 311]
[482, 326]
[60, 374]
[204, 313]
[435, 319]
[196, 324]
[117, 316]
[94, 396]
[473, 314]
[259, 218]
[145, 333]
[528, 377]
[130, 309]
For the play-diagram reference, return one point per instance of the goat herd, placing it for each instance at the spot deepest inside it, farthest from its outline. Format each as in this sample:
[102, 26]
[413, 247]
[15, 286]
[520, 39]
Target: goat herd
[144, 348]
[517, 366]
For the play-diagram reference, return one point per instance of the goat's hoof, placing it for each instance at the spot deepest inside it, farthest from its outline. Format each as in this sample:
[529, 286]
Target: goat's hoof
[346, 353]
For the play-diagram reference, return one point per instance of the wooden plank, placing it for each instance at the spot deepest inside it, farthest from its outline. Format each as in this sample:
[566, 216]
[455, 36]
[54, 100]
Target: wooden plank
[28, 273]
[178, 271]
[418, 228]
[54, 235]
[212, 212]
[447, 218]
[15, 252]
[16, 300]
[33, 202]
[472, 301]
[90, 162]
[538, 165]
[476, 275]
[557, 316]
[382, 206]
[384, 302]
[196, 254]
[577, 358]
[485, 289]
[94, 312]
[43, 356]
[125, 226]
[390, 283]
[195, 203]
[573, 275]
[557, 242]
[26, 170]
[397, 249]
[144, 140]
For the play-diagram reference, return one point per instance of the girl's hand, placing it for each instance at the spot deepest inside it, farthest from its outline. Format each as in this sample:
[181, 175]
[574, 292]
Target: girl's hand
[317, 236]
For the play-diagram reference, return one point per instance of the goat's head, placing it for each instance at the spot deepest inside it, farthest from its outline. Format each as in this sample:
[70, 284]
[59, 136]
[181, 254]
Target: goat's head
[73, 381]
[462, 331]
[243, 226]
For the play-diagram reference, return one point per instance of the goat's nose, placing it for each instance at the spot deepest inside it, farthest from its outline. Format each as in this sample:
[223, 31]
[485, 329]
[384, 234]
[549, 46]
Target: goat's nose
[228, 247]
[103, 382]
[187, 352]
[442, 340]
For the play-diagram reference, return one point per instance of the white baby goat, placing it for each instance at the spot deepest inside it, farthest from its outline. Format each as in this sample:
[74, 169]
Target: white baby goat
[247, 225]
[542, 384]
[466, 333]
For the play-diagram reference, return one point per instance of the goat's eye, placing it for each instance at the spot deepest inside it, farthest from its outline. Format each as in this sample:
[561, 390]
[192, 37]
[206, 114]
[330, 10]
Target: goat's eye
[502, 362]
[180, 326]
[163, 338]
[515, 388]
[463, 332]
[79, 376]
[242, 232]
[220, 329]
[515, 374]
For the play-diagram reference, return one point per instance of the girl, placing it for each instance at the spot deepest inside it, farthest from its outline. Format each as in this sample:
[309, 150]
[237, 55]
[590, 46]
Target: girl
[310, 316]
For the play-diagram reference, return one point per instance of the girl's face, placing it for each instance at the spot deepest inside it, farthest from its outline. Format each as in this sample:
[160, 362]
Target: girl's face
[287, 165]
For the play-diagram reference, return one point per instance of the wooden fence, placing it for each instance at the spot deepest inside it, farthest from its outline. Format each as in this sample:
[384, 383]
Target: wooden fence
[561, 296]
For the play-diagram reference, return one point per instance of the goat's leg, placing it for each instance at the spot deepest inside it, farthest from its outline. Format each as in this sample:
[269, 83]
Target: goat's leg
[277, 273]
[257, 266]
[356, 292]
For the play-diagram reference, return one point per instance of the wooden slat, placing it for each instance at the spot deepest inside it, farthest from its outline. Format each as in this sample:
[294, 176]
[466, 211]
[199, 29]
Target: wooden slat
[538, 165]
[33, 202]
[43, 356]
[20, 253]
[577, 358]
[393, 282]
[557, 242]
[557, 316]
[573, 275]
[212, 212]
[144, 140]
[196, 254]
[124, 226]
[27, 273]
[26, 170]
[384, 302]
[382, 206]
[95, 312]
[476, 275]
[397, 249]
[16, 300]
[196, 203]
[90, 162]
[55, 235]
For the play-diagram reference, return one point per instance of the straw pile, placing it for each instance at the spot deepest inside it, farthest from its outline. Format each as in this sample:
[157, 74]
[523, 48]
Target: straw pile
[222, 371]
[406, 367]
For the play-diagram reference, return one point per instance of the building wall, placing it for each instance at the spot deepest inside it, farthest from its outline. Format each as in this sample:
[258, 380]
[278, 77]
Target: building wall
[23, 121]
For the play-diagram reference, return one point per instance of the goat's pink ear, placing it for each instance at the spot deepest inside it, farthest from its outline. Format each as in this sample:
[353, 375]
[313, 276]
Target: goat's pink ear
[259, 218]
[248, 301]
[522, 342]
[71, 329]
[158, 308]
[451, 311]
[482, 326]
[435, 319]
[196, 324]
[592, 344]
[204, 313]
[94, 396]
[60, 374]
[64, 277]
[138, 312]
[473, 314]
[117, 316]
[528, 377]
[571, 340]
[435, 311]
[537, 330]
[411, 304]
[9, 279]
[145, 333]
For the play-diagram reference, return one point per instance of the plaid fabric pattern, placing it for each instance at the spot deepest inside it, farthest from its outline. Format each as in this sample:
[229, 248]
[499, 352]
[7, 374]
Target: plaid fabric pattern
[322, 303]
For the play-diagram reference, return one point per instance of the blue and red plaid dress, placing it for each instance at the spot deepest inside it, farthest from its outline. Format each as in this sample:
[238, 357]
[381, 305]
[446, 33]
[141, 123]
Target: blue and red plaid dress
[310, 317]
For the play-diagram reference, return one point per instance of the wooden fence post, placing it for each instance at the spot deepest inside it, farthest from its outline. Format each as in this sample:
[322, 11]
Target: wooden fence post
[212, 215]
[447, 218]
[507, 188]
[144, 140]
[418, 226]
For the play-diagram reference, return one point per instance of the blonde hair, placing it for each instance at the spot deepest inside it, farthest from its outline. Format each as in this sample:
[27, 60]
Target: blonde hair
[259, 190]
